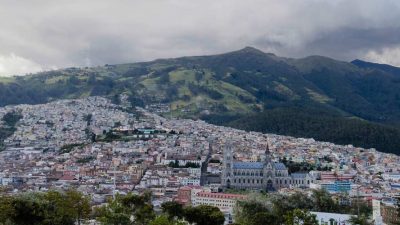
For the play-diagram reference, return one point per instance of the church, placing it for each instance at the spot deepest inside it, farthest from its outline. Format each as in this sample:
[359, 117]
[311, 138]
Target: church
[266, 175]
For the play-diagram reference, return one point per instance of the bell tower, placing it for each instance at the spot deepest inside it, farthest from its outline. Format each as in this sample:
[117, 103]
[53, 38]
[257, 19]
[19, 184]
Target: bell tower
[269, 170]
[227, 165]
[267, 155]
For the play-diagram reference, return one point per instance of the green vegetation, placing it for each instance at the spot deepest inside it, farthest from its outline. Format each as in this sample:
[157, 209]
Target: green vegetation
[72, 207]
[122, 208]
[51, 208]
[85, 159]
[200, 215]
[69, 147]
[187, 165]
[321, 126]
[204, 215]
[294, 209]
[359, 101]
[294, 167]
[9, 121]
[137, 210]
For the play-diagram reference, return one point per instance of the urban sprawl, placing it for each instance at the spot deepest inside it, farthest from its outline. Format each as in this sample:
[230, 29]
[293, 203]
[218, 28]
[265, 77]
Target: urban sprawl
[102, 149]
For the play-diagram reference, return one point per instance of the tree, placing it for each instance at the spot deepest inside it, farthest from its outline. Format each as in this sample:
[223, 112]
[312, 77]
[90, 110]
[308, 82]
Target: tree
[264, 218]
[173, 209]
[283, 204]
[161, 220]
[323, 201]
[50, 208]
[6, 209]
[114, 213]
[300, 217]
[58, 208]
[204, 215]
[80, 205]
[360, 220]
[127, 210]
[164, 220]
[29, 210]
[256, 209]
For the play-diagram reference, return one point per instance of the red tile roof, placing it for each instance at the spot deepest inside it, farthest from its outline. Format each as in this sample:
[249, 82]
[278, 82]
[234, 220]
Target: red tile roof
[220, 195]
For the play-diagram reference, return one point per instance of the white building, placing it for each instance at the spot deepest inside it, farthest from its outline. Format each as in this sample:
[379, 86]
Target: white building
[332, 218]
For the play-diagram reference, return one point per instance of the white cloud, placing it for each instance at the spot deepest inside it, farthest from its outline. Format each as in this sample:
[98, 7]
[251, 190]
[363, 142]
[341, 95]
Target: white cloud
[77, 33]
[386, 56]
[15, 65]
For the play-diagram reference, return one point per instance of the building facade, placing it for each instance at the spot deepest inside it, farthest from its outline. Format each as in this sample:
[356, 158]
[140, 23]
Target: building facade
[266, 175]
[225, 202]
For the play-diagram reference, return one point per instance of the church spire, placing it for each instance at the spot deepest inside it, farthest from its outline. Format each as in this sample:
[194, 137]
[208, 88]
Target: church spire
[267, 153]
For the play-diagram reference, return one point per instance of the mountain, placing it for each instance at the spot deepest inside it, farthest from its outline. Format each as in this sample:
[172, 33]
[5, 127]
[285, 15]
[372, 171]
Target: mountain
[249, 89]
[384, 67]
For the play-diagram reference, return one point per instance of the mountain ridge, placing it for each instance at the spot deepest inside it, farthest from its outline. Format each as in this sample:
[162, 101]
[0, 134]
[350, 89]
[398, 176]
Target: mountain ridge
[233, 85]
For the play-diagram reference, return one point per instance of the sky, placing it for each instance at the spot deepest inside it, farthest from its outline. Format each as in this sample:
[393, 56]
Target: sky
[38, 35]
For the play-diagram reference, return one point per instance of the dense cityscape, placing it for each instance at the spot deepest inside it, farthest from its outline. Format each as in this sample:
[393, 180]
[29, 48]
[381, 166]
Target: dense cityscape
[104, 150]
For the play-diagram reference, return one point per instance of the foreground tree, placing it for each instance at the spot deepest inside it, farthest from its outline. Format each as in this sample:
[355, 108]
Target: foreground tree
[300, 217]
[164, 220]
[80, 205]
[6, 209]
[127, 210]
[360, 220]
[256, 209]
[52, 208]
[204, 215]
[323, 201]
[173, 209]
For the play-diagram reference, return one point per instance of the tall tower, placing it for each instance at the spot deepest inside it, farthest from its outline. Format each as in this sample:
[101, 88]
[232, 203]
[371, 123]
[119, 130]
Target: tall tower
[227, 165]
[267, 154]
[268, 171]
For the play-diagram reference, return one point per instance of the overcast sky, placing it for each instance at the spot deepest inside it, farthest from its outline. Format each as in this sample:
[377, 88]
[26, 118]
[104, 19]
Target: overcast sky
[46, 34]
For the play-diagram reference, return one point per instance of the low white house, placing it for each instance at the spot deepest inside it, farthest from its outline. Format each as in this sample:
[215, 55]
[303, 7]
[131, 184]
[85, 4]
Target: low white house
[332, 218]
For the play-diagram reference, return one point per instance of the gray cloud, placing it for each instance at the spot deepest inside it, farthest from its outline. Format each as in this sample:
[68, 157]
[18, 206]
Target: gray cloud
[46, 34]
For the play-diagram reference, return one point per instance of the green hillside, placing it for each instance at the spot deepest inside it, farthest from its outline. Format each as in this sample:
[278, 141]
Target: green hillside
[230, 88]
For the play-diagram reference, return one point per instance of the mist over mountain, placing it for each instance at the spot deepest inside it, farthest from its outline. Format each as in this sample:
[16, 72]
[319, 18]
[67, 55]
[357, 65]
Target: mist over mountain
[346, 103]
